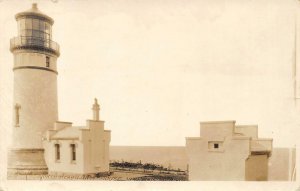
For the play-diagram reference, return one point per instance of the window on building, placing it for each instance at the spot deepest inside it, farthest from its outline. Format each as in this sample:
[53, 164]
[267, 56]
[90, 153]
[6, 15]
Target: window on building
[57, 152]
[73, 152]
[17, 115]
[47, 61]
[22, 27]
[216, 145]
[42, 25]
[28, 24]
[35, 24]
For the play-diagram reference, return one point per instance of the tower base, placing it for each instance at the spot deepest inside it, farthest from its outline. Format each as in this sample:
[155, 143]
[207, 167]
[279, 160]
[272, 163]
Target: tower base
[26, 162]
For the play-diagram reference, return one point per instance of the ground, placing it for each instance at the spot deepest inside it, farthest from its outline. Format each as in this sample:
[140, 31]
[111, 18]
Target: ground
[116, 175]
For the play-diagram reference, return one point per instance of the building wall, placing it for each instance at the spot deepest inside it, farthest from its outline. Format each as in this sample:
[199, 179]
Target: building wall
[216, 130]
[257, 168]
[24, 58]
[281, 164]
[247, 130]
[223, 152]
[65, 164]
[293, 164]
[35, 91]
[92, 148]
[227, 163]
[106, 143]
[96, 149]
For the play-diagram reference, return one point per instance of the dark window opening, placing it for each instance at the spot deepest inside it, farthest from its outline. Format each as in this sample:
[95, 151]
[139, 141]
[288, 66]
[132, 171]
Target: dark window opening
[17, 115]
[73, 152]
[216, 145]
[57, 152]
[47, 61]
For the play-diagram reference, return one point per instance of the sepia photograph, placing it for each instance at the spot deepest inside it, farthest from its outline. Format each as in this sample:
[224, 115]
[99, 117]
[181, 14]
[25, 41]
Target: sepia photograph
[149, 94]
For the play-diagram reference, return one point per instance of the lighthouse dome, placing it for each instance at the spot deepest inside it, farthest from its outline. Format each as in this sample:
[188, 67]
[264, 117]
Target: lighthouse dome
[36, 13]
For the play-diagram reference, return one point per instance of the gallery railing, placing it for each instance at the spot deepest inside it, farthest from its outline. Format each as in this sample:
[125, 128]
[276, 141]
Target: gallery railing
[34, 43]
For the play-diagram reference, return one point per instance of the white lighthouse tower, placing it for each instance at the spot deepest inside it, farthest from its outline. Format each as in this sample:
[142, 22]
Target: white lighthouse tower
[35, 90]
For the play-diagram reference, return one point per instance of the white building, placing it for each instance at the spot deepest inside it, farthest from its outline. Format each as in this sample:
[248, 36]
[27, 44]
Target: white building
[78, 150]
[228, 152]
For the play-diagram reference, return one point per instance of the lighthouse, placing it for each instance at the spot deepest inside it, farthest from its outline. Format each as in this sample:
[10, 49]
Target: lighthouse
[35, 90]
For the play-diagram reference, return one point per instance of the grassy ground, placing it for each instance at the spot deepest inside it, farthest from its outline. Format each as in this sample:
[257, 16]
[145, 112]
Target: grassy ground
[117, 175]
[148, 176]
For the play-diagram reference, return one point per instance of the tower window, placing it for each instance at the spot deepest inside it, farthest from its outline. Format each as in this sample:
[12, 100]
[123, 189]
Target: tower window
[216, 145]
[17, 115]
[73, 152]
[47, 61]
[57, 152]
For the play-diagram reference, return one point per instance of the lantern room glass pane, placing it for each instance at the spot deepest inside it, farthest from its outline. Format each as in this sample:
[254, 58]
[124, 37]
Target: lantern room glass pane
[48, 28]
[42, 25]
[35, 34]
[41, 34]
[19, 26]
[28, 24]
[22, 25]
[35, 24]
[28, 32]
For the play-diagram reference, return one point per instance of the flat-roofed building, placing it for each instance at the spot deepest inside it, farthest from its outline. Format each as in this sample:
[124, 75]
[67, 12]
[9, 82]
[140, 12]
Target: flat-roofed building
[78, 150]
[225, 151]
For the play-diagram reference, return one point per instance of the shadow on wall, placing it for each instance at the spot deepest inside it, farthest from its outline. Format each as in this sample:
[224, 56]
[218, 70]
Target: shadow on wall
[257, 168]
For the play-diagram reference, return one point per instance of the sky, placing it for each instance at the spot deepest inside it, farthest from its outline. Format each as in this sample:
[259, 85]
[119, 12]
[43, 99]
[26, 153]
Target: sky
[159, 67]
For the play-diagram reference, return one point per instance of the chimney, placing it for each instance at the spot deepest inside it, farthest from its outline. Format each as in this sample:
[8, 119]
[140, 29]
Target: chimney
[34, 6]
[96, 109]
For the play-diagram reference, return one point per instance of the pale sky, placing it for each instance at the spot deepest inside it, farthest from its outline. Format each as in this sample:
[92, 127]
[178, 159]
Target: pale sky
[159, 67]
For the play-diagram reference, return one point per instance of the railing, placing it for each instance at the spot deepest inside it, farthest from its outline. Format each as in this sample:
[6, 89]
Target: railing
[34, 42]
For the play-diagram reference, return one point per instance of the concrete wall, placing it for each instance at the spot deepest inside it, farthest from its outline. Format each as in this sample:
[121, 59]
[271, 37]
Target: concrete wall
[221, 152]
[247, 130]
[227, 163]
[92, 149]
[96, 143]
[23, 58]
[281, 164]
[217, 129]
[65, 164]
[257, 168]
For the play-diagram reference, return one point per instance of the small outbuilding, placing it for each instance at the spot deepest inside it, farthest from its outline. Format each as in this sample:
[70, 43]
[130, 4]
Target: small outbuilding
[72, 150]
[226, 151]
